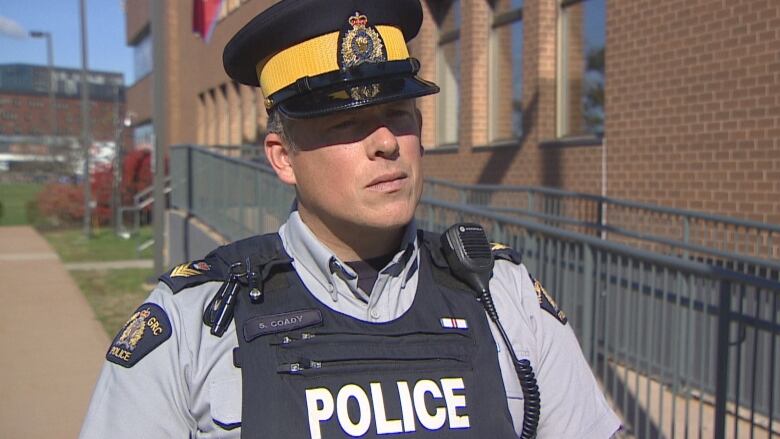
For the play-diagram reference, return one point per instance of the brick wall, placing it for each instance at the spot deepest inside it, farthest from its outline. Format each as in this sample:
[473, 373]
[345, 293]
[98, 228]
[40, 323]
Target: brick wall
[693, 91]
[28, 114]
[137, 18]
[139, 99]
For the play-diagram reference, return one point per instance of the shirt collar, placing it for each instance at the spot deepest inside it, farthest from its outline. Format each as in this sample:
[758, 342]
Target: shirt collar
[310, 254]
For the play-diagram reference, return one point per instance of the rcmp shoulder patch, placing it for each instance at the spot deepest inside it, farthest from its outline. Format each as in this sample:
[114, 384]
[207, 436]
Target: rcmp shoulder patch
[191, 274]
[547, 302]
[501, 251]
[146, 329]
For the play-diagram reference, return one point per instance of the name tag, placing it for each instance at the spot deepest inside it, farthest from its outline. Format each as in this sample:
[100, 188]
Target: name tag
[289, 321]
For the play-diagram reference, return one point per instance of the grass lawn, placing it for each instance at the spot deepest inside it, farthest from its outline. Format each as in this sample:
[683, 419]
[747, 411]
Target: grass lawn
[103, 246]
[14, 198]
[113, 294]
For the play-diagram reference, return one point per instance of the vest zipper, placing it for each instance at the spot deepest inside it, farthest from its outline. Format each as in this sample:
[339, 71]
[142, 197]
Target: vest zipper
[307, 366]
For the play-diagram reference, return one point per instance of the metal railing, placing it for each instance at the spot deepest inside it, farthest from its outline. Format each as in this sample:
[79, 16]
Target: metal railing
[238, 198]
[681, 348]
[142, 201]
[678, 345]
[743, 245]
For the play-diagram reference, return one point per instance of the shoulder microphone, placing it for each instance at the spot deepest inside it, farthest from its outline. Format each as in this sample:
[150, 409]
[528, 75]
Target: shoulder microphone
[467, 250]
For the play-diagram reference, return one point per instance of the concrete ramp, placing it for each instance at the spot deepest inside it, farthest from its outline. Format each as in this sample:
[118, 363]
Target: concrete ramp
[51, 345]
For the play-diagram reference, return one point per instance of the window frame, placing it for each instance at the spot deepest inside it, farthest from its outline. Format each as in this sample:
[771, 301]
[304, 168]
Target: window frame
[498, 20]
[449, 37]
[562, 119]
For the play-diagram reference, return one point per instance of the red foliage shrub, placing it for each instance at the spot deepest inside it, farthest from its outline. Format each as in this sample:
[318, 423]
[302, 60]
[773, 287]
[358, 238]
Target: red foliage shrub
[63, 204]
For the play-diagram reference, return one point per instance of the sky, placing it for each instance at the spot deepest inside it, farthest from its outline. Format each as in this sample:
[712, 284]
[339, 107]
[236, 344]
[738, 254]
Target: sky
[105, 32]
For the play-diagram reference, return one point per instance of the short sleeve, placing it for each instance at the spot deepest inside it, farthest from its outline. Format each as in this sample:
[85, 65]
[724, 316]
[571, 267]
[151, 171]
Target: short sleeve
[572, 404]
[147, 397]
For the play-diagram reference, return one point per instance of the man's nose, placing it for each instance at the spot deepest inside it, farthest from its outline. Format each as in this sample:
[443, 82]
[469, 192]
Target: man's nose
[382, 143]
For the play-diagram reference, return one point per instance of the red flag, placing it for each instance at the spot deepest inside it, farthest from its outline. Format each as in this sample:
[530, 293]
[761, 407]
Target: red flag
[204, 17]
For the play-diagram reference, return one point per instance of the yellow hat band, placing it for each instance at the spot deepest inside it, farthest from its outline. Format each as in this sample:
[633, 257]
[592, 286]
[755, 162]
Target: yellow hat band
[317, 56]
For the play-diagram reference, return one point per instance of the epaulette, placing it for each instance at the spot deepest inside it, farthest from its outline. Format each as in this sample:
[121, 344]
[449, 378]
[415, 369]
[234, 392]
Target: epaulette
[501, 251]
[547, 303]
[216, 265]
[192, 274]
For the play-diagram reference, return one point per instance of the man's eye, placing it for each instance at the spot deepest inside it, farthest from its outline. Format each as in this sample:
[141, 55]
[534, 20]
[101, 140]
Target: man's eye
[346, 124]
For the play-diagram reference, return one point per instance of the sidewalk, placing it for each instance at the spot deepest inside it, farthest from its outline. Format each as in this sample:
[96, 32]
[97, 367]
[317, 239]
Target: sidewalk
[51, 346]
[109, 265]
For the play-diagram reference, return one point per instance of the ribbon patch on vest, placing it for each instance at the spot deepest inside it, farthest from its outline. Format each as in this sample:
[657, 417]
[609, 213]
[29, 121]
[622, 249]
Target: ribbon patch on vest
[547, 302]
[146, 329]
[289, 321]
[453, 323]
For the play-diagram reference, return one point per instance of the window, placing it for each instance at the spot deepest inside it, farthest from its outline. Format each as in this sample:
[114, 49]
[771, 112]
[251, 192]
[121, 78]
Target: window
[143, 59]
[581, 68]
[447, 15]
[143, 136]
[505, 93]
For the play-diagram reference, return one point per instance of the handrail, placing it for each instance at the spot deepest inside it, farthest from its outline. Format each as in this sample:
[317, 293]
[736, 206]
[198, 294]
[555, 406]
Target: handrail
[643, 236]
[615, 201]
[698, 268]
[148, 191]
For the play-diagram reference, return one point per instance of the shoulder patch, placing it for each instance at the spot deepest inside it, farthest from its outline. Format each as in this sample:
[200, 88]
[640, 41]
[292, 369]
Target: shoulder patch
[191, 274]
[146, 329]
[547, 303]
[502, 251]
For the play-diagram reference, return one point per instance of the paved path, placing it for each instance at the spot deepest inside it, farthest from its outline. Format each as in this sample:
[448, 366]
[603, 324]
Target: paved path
[108, 265]
[51, 345]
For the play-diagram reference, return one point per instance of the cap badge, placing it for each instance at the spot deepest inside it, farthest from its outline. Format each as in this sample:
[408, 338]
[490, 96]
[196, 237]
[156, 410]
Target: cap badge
[362, 43]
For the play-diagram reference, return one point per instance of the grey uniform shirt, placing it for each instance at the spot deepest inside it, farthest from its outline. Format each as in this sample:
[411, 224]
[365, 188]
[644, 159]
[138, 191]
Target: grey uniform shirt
[188, 386]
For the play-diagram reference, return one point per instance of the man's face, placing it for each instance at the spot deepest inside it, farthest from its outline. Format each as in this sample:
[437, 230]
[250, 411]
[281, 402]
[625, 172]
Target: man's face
[358, 168]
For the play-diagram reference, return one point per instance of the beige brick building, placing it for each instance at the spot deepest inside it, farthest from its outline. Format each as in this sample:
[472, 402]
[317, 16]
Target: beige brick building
[673, 102]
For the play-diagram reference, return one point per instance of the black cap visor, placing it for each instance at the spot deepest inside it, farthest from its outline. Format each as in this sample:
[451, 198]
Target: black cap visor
[353, 95]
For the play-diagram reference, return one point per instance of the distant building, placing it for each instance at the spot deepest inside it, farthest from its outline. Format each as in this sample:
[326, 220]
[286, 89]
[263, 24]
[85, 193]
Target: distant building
[28, 138]
[674, 103]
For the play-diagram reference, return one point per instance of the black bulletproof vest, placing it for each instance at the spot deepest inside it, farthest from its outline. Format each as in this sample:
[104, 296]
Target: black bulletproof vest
[342, 377]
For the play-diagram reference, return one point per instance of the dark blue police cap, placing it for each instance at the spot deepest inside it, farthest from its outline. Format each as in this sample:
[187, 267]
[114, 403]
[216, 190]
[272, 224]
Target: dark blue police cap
[315, 57]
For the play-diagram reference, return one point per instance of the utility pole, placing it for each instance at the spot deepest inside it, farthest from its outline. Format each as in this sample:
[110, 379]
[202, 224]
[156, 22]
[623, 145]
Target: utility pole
[159, 118]
[117, 169]
[86, 138]
[52, 85]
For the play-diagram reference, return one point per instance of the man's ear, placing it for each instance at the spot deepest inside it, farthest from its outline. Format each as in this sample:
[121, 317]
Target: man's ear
[419, 120]
[419, 127]
[278, 155]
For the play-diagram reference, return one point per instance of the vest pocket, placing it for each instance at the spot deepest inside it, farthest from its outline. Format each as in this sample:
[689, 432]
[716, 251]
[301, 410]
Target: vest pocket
[318, 354]
[225, 396]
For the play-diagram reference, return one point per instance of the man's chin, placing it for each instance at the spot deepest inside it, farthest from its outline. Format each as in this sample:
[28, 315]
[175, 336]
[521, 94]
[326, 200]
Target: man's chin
[387, 220]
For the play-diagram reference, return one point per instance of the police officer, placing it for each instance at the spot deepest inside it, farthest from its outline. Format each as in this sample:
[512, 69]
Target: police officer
[348, 322]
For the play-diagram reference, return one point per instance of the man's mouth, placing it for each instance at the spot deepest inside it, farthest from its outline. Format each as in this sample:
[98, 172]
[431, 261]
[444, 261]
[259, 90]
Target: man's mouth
[390, 182]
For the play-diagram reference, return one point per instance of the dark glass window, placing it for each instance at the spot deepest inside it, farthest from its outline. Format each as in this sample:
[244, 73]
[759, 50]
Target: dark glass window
[505, 120]
[448, 59]
[581, 68]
